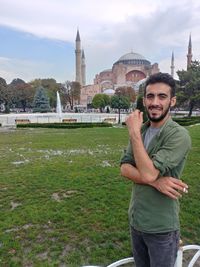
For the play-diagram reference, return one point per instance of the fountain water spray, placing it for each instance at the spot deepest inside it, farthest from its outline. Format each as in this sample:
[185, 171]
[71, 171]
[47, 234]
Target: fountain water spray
[58, 106]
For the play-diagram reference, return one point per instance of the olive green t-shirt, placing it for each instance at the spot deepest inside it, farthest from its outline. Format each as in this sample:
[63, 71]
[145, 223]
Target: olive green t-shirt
[151, 211]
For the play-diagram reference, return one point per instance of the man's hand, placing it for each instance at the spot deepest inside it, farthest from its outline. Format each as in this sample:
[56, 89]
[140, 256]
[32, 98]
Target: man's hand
[170, 186]
[134, 122]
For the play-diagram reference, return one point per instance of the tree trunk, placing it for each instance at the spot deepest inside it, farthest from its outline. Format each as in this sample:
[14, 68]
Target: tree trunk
[72, 107]
[119, 115]
[24, 107]
[191, 106]
[7, 108]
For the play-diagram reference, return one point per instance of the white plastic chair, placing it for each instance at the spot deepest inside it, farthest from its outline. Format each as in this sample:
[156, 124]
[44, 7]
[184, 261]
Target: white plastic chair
[122, 262]
[179, 260]
[196, 256]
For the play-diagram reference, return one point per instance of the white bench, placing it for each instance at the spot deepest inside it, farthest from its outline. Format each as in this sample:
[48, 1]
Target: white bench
[22, 121]
[69, 120]
[110, 120]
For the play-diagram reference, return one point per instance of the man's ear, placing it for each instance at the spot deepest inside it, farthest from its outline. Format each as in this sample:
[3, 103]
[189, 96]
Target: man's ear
[173, 101]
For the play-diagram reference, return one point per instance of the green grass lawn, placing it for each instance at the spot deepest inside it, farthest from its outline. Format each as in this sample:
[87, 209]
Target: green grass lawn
[63, 201]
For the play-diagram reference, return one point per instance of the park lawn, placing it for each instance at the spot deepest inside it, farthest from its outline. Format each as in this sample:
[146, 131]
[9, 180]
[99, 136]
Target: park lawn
[63, 201]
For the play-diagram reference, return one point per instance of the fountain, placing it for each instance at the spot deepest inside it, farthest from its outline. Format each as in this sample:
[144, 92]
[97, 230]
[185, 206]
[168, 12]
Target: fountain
[58, 106]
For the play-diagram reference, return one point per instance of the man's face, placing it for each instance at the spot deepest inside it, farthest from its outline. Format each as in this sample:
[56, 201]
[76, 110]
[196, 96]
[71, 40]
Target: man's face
[158, 101]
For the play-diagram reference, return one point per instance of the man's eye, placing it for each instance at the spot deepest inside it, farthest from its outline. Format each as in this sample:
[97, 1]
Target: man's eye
[162, 96]
[150, 96]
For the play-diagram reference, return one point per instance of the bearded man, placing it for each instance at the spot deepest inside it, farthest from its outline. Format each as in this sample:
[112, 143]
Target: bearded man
[154, 161]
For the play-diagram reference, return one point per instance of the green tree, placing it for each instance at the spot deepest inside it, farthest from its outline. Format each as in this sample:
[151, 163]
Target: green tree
[71, 92]
[51, 87]
[41, 101]
[5, 95]
[140, 106]
[188, 92]
[25, 96]
[3, 86]
[100, 101]
[120, 102]
[22, 94]
[127, 91]
[141, 89]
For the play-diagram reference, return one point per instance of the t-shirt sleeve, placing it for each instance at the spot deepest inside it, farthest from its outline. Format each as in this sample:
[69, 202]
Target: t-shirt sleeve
[172, 152]
[127, 156]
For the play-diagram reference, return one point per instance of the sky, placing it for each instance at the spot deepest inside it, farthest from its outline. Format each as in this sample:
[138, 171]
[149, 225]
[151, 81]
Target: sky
[38, 37]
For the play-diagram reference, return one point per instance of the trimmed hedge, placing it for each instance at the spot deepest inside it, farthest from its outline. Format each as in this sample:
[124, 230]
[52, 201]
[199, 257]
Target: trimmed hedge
[186, 121]
[65, 125]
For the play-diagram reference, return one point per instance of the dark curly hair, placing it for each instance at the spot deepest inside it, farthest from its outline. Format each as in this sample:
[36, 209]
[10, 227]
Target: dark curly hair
[161, 78]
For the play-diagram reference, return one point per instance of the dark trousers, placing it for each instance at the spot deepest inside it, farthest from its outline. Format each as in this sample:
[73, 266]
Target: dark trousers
[154, 250]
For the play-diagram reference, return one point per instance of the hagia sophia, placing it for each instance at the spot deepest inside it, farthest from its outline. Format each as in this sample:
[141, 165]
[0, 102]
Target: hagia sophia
[130, 69]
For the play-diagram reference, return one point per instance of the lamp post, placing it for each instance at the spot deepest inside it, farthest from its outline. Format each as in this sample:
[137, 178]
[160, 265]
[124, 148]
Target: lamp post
[119, 108]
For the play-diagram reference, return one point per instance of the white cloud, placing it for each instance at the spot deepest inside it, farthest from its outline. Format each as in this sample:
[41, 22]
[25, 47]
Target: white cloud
[109, 29]
[11, 68]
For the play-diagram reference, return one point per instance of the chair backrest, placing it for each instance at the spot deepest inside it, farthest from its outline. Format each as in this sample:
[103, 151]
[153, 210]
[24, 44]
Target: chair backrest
[122, 262]
[193, 260]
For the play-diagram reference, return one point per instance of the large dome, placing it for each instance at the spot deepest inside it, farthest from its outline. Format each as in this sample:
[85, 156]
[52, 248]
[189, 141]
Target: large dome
[133, 59]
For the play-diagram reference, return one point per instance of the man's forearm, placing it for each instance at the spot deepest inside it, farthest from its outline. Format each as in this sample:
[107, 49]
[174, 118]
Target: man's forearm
[131, 172]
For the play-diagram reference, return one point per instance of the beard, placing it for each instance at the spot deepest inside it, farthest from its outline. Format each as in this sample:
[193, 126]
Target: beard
[161, 117]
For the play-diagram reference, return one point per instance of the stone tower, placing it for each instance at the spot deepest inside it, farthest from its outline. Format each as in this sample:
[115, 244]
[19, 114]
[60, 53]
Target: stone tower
[172, 65]
[189, 54]
[83, 73]
[78, 58]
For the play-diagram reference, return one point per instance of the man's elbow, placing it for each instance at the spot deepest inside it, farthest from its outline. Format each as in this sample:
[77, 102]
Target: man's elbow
[123, 170]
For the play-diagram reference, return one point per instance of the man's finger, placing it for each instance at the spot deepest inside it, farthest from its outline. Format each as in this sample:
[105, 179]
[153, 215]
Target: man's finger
[175, 192]
[179, 182]
[181, 188]
[171, 195]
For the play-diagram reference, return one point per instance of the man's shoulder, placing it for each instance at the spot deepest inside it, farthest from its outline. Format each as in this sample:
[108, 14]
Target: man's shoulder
[178, 127]
[173, 128]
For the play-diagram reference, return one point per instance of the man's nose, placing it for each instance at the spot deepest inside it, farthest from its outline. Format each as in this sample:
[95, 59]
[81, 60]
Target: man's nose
[155, 100]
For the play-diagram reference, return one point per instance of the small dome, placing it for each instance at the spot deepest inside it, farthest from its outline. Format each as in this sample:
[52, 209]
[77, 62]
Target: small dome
[108, 70]
[137, 85]
[109, 92]
[133, 59]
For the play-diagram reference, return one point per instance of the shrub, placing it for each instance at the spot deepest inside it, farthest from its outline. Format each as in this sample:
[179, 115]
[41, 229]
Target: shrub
[65, 125]
[186, 121]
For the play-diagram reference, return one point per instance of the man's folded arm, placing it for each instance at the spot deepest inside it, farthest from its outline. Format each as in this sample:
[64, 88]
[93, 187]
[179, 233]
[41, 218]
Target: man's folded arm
[169, 186]
[132, 173]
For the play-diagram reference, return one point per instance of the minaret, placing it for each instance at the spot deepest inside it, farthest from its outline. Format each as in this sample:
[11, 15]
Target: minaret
[78, 58]
[172, 65]
[189, 55]
[83, 74]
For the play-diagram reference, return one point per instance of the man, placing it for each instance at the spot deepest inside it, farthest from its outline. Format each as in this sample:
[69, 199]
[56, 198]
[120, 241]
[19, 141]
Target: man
[154, 161]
